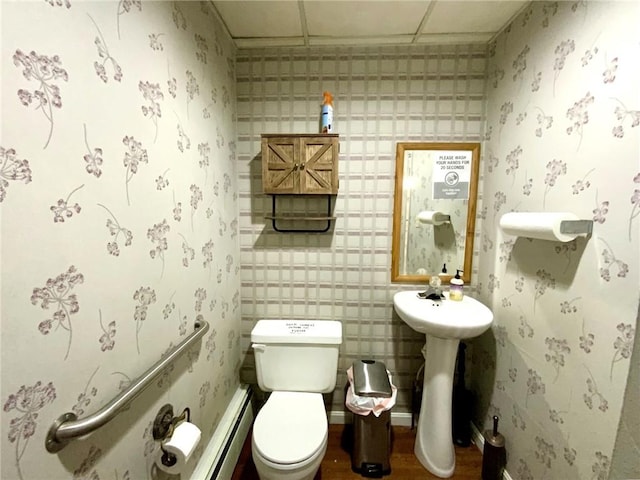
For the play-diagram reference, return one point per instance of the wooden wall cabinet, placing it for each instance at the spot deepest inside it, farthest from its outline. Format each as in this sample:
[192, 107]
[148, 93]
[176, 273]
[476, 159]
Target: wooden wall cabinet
[300, 164]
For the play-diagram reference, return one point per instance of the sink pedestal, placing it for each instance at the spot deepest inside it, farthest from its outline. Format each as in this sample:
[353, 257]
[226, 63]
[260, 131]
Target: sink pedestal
[444, 323]
[434, 442]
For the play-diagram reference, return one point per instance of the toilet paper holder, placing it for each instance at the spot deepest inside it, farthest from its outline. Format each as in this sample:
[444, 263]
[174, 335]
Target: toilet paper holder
[163, 427]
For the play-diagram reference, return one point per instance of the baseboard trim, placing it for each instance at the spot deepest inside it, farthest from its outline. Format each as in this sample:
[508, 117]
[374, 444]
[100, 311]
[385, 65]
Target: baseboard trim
[477, 437]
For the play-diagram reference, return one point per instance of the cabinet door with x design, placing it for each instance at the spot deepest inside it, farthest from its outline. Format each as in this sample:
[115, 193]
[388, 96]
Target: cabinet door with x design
[300, 164]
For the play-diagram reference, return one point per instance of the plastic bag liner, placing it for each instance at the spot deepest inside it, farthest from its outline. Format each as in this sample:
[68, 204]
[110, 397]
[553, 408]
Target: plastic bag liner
[365, 405]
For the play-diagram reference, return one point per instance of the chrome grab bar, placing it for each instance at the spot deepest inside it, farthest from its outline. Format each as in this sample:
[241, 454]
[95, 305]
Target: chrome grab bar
[67, 426]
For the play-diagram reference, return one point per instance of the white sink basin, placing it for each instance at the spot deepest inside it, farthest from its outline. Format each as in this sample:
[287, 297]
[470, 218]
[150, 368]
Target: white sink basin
[445, 319]
[444, 324]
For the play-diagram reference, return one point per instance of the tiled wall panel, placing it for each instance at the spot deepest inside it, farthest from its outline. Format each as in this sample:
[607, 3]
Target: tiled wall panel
[382, 96]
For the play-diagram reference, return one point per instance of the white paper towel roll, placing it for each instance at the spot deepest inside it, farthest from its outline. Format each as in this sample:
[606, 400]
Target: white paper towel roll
[432, 218]
[182, 443]
[540, 225]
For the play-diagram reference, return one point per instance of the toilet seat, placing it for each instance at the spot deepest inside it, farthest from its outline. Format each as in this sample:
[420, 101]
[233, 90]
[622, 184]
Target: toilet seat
[291, 427]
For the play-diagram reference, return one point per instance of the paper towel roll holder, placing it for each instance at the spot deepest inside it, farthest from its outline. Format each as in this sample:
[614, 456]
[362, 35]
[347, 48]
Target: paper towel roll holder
[523, 224]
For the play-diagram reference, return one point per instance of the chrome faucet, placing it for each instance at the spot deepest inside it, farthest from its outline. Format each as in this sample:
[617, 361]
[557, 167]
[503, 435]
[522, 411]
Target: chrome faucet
[434, 289]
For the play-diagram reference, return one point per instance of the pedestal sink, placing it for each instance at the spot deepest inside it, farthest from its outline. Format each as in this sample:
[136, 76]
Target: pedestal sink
[445, 323]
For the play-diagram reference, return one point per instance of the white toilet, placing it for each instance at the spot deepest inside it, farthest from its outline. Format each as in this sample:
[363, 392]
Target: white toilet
[297, 361]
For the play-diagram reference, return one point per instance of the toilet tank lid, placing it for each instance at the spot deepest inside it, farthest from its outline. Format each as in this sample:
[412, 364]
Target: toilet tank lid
[297, 331]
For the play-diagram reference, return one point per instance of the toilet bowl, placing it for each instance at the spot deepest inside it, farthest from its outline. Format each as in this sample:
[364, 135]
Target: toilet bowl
[290, 436]
[297, 361]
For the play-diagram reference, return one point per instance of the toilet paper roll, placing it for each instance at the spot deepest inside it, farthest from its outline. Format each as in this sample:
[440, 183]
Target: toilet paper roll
[182, 444]
[432, 218]
[540, 225]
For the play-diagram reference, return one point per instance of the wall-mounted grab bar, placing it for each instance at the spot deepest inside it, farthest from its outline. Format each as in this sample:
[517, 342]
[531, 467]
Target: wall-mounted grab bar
[68, 426]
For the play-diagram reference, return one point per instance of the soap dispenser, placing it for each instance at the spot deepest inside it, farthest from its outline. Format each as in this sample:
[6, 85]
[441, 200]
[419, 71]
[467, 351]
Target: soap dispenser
[443, 273]
[456, 292]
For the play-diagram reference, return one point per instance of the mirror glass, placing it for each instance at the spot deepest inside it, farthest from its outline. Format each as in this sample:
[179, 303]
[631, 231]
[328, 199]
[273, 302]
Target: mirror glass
[434, 210]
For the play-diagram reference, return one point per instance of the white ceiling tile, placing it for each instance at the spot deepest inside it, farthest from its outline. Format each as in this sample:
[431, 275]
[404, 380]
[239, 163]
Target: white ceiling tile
[471, 16]
[358, 18]
[251, 18]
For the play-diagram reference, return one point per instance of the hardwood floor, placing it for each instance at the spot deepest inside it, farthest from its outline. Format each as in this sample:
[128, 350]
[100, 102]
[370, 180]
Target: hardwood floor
[336, 464]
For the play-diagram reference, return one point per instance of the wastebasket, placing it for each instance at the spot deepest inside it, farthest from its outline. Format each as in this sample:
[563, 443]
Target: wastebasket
[370, 397]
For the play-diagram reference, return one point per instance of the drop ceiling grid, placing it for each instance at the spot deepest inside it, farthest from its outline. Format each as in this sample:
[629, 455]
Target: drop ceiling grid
[254, 24]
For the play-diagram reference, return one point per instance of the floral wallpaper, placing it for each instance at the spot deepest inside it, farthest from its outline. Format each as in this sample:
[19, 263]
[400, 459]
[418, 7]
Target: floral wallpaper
[118, 206]
[562, 134]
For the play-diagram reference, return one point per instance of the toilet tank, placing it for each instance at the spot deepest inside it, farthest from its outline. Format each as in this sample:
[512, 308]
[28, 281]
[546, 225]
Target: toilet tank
[297, 355]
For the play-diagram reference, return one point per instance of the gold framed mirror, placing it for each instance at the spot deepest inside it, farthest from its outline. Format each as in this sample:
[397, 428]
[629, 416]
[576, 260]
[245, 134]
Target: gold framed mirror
[434, 213]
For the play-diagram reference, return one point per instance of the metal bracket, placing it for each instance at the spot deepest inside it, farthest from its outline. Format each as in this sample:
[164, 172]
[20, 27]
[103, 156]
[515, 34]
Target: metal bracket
[162, 423]
[52, 443]
[275, 218]
[576, 227]
[165, 422]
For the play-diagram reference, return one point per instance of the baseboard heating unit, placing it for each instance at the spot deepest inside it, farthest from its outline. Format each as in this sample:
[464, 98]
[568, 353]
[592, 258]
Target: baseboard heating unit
[226, 444]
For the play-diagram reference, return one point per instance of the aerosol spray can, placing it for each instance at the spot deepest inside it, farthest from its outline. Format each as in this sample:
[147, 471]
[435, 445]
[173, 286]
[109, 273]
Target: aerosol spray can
[326, 121]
